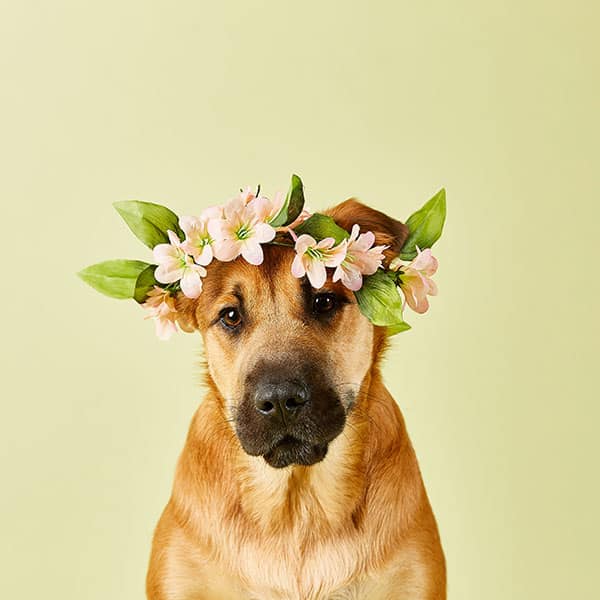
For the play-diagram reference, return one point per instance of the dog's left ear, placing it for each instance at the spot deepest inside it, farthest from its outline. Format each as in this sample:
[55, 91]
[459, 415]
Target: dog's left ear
[388, 231]
[186, 313]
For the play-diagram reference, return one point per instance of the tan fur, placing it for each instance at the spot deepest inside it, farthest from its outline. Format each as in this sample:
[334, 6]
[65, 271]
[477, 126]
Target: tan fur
[356, 525]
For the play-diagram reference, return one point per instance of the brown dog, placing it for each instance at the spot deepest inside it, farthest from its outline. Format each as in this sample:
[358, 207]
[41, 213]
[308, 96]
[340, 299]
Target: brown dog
[298, 480]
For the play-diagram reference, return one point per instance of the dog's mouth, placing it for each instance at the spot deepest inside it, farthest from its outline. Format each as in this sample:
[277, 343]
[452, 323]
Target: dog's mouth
[290, 450]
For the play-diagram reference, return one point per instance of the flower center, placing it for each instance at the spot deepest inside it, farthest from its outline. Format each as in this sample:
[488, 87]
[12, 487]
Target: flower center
[315, 253]
[183, 258]
[244, 232]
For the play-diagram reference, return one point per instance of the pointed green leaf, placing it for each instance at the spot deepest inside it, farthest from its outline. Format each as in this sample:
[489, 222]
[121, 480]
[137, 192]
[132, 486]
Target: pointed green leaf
[293, 205]
[321, 226]
[380, 301]
[115, 278]
[149, 222]
[425, 226]
[398, 328]
[144, 283]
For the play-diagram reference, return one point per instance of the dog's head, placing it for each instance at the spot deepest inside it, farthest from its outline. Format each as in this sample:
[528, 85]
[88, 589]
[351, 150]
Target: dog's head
[287, 360]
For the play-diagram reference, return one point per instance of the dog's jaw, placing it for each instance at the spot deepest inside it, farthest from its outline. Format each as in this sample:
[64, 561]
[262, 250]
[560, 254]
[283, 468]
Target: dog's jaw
[291, 450]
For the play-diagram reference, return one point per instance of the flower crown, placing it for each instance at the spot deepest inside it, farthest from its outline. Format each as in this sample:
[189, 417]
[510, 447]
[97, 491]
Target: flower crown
[183, 247]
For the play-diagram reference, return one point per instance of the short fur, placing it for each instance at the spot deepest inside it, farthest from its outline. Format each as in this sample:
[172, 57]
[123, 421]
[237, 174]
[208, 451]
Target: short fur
[356, 525]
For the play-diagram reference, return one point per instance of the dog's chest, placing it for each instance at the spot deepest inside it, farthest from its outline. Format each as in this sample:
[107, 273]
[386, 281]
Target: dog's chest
[302, 567]
[230, 588]
[295, 537]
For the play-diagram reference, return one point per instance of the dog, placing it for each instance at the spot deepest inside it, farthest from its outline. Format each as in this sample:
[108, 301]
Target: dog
[298, 480]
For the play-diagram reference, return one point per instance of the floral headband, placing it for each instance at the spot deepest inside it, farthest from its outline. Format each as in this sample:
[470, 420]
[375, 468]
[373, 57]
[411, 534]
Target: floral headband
[183, 247]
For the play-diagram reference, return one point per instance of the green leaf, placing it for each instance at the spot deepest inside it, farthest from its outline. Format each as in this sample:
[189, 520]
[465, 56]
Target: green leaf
[293, 205]
[144, 283]
[115, 278]
[321, 226]
[380, 301]
[149, 222]
[398, 328]
[425, 226]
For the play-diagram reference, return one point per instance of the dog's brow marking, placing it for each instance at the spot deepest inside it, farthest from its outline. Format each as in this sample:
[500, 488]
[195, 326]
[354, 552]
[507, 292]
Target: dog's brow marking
[237, 292]
[272, 287]
[232, 292]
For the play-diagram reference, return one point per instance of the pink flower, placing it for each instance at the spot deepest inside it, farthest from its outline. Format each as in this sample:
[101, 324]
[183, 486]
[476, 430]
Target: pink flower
[161, 307]
[312, 258]
[266, 210]
[198, 242]
[174, 264]
[415, 279]
[362, 258]
[240, 231]
[246, 195]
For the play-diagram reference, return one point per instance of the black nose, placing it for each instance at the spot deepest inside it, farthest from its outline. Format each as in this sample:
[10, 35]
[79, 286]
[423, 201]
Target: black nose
[282, 400]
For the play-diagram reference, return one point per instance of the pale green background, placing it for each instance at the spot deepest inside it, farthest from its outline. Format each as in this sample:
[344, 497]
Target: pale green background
[183, 102]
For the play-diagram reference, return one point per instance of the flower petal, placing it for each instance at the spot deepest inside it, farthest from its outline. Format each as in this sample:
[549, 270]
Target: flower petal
[298, 269]
[191, 283]
[415, 291]
[326, 243]
[432, 289]
[304, 242]
[165, 328]
[246, 195]
[365, 241]
[338, 273]
[252, 252]
[425, 262]
[189, 248]
[316, 272]
[173, 238]
[352, 280]
[206, 255]
[219, 229]
[351, 277]
[335, 256]
[168, 272]
[233, 209]
[263, 232]
[163, 252]
[369, 261]
[262, 208]
[188, 223]
[227, 250]
[199, 269]
[277, 202]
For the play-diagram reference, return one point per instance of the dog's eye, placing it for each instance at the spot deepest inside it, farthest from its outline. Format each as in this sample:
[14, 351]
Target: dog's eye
[324, 303]
[231, 318]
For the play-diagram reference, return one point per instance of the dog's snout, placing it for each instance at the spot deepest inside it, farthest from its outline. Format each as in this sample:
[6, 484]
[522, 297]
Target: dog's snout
[289, 412]
[280, 400]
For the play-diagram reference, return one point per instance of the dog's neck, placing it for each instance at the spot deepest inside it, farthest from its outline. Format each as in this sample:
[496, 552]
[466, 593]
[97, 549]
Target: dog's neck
[296, 497]
[330, 494]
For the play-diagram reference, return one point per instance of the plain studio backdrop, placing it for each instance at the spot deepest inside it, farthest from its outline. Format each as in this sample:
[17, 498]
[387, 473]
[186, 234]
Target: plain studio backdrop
[184, 102]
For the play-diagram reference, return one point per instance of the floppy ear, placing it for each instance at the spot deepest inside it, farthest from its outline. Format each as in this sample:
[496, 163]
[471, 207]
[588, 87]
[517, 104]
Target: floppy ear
[388, 231]
[186, 313]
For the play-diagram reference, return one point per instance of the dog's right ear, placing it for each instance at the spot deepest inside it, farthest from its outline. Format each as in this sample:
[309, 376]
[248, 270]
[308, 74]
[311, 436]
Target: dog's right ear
[388, 231]
[186, 312]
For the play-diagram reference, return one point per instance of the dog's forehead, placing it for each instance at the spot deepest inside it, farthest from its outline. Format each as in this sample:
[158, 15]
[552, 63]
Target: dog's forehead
[256, 285]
